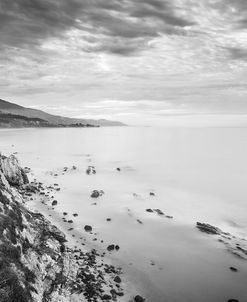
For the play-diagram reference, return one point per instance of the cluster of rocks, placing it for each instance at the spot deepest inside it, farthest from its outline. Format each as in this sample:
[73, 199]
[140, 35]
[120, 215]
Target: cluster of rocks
[91, 170]
[63, 171]
[97, 193]
[92, 276]
[159, 212]
[113, 247]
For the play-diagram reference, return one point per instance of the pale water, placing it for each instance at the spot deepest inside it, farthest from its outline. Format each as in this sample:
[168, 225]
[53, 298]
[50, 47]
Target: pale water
[197, 174]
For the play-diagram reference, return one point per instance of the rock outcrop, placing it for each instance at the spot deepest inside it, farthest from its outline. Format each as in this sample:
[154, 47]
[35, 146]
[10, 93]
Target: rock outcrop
[10, 168]
[235, 245]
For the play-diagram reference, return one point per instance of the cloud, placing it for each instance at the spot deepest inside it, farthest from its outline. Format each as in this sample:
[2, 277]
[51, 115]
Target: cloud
[160, 10]
[182, 56]
[27, 23]
[238, 53]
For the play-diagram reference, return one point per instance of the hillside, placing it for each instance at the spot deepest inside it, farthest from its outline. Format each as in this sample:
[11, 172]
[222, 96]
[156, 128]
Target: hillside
[13, 115]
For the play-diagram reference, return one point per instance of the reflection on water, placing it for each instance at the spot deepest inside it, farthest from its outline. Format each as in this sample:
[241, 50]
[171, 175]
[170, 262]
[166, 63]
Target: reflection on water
[196, 175]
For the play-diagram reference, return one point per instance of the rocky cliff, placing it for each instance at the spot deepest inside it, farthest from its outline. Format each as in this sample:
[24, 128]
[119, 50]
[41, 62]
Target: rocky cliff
[35, 263]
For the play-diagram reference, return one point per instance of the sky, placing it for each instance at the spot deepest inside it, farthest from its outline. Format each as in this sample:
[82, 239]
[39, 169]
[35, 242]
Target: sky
[136, 61]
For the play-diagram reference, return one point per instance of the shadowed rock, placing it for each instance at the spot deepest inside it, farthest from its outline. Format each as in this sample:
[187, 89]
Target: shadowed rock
[54, 203]
[10, 168]
[117, 279]
[96, 193]
[110, 247]
[207, 228]
[158, 211]
[88, 228]
[235, 245]
[91, 170]
[139, 299]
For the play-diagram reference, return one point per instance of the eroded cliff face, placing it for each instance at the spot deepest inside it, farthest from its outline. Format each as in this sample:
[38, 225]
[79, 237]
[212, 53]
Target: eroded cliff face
[35, 264]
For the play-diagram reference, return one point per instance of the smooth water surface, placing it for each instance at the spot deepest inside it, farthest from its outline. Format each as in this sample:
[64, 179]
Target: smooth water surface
[197, 174]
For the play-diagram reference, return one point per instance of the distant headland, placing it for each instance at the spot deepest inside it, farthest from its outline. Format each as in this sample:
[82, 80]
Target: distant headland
[16, 116]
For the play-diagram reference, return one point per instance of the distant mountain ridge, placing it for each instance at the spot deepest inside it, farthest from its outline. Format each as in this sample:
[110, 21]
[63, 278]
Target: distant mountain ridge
[13, 115]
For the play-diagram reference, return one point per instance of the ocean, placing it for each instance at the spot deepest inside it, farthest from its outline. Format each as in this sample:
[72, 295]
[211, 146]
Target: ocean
[195, 174]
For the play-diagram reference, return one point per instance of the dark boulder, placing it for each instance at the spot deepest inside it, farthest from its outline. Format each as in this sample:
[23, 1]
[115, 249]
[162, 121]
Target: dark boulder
[158, 211]
[117, 279]
[106, 297]
[139, 299]
[111, 247]
[96, 193]
[88, 228]
[54, 203]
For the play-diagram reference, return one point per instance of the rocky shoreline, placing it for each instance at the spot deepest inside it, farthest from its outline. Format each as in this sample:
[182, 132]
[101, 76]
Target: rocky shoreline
[35, 262]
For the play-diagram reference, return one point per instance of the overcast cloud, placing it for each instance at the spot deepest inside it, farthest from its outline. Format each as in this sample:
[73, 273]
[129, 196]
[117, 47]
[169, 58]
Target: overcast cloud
[134, 61]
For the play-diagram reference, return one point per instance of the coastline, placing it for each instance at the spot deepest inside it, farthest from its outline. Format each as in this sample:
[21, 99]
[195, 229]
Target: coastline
[64, 271]
[215, 242]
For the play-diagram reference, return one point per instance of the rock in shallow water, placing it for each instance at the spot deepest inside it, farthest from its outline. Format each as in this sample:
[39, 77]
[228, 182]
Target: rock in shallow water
[158, 211]
[88, 228]
[139, 299]
[96, 193]
[91, 170]
[111, 247]
[54, 203]
[207, 228]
